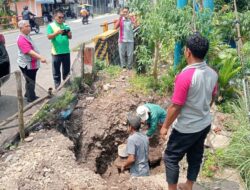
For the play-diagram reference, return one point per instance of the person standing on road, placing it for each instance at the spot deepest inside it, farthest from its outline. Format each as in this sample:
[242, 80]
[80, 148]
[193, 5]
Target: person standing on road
[152, 115]
[28, 59]
[137, 149]
[126, 38]
[194, 92]
[59, 33]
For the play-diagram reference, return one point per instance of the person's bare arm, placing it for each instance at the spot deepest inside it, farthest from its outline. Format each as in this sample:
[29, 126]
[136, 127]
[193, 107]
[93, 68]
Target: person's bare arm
[117, 24]
[172, 113]
[130, 160]
[32, 53]
[212, 101]
[52, 36]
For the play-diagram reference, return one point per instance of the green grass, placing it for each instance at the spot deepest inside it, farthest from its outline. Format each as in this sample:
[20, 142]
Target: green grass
[146, 84]
[48, 111]
[211, 162]
[237, 154]
[141, 84]
[113, 71]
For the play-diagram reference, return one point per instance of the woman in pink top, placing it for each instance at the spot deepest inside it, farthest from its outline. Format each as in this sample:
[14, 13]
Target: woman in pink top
[28, 59]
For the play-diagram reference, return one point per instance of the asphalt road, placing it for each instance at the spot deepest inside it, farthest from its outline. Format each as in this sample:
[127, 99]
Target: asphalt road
[80, 34]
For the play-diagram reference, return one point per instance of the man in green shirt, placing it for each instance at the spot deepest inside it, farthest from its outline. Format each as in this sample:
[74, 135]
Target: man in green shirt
[153, 115]
[59, 33]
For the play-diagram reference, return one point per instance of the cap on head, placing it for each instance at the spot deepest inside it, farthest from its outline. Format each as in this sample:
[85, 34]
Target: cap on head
[25, 7]
[142, 112]
[134, 121]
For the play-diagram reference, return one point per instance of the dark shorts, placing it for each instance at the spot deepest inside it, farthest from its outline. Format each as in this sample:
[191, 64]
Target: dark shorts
[179, 145]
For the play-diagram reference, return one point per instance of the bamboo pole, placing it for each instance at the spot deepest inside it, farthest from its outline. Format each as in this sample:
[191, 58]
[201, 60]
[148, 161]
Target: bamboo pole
[239, 41]
[194, 16]
[20, 104]
[239, 47]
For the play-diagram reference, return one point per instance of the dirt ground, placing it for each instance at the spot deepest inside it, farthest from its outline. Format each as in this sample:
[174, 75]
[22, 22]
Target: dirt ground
[86, 161]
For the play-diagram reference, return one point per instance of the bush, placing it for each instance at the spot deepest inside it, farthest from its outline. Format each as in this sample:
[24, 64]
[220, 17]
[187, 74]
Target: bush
[211, 162]
[100, 65]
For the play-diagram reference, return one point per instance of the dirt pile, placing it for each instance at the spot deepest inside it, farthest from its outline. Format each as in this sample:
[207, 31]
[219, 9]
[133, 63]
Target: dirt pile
[46, 163]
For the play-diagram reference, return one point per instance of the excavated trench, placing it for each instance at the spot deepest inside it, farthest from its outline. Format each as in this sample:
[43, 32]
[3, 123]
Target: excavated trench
[103, 149]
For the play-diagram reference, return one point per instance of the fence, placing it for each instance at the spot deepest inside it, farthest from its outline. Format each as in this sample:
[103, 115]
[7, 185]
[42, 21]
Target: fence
[13, 103]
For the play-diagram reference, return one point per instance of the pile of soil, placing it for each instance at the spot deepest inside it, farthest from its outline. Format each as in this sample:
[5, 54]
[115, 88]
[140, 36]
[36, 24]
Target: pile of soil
[46, 163]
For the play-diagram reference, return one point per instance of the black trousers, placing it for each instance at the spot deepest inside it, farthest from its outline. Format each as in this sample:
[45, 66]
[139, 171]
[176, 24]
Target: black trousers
[179, 144]
[4, 69]
[57, 61]
[30, 82]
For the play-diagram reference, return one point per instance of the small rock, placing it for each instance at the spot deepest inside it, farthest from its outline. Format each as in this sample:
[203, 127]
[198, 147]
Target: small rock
[111, 86]
[98, 144]
[90, 98]
[32, 134]
[28, 139]
[124, 123]
[19, 169]
[8, 158]
[220, 141]
[106, 87]
[217, 188]
[12, 148]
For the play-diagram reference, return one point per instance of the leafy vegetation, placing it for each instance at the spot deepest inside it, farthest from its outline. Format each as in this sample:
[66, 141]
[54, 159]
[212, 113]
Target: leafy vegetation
[59, 104]
[145, 84]
[113, 71]
[237, 154]
[211, 162]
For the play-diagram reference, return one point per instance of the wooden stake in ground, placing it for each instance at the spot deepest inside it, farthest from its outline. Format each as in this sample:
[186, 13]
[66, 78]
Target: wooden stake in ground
[82, 59]
[20, 104]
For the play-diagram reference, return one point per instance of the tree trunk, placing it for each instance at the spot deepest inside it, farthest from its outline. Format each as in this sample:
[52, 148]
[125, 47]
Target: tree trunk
[156, 59]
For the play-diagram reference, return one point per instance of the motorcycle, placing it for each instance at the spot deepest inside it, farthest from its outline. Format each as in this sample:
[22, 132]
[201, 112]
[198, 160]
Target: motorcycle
[34, 26]
[85, 20]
